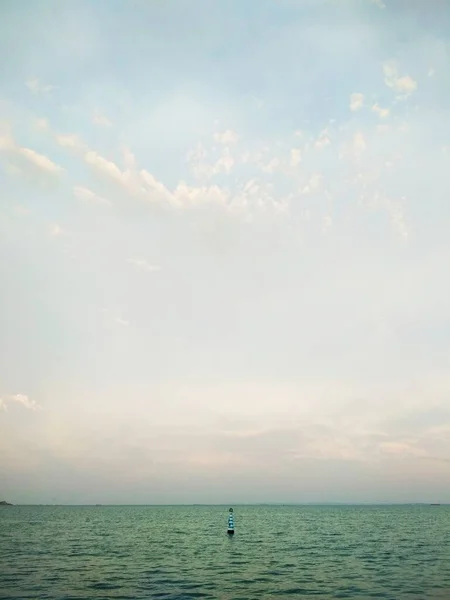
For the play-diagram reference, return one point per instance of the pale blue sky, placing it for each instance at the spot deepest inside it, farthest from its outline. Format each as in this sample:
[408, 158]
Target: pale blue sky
[223, 251]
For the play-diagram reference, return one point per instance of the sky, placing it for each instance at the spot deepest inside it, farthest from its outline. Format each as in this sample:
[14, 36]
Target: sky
[224, 251]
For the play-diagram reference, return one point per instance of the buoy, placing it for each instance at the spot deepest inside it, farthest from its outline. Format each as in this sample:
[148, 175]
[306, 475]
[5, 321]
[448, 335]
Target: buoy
[230, 529]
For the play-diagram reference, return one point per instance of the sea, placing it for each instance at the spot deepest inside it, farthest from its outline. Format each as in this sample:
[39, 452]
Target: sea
[184, 552]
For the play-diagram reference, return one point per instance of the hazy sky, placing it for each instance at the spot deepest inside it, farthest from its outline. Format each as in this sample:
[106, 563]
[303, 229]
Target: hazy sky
[224, 251]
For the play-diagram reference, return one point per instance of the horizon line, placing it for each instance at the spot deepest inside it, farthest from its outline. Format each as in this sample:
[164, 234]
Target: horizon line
[220, 504]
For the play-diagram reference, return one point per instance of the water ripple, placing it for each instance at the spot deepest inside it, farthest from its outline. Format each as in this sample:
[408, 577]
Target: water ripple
[182, 553]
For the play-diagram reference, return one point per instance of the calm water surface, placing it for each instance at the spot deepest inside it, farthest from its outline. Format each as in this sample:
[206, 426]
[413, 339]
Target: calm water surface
[133, 553]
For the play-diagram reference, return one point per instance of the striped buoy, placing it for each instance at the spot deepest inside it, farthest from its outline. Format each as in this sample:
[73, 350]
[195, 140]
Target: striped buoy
[230, 529]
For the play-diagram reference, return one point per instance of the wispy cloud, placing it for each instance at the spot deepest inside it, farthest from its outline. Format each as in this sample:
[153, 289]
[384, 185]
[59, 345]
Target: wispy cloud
[70, 141]
[381, 112]
[101, 120]
[115, 317]
[226, 137]
[40, 161]
[37, 87]
[88, 195]
[356, 101]
[144, 265]
[55, 230]
[21, 399]
[16, 152]
[404, 85]
[121, 321]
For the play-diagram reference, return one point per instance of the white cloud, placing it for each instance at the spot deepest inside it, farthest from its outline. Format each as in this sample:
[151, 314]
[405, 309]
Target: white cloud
[25, 401]
[313, 184]
[296, 157]
[397, 219]
[83, 193]
[272, 166]
[41, 124]
[56, 230]
[144, 265]
[404, 85]
[202, 169]
[40, 160]
[37, 87]
[21, 399]
[227, 137]
[70, 141]
[359, 143]
[105, 166]
[184, 195]
[113, 316]
[324, 140]
[6, 142]
[225, 162]
[379, 3]
[381, 112]
[196, 159]
[154, 190]
[327, 223]
[121, 321]
[401, 449]
[356, 101]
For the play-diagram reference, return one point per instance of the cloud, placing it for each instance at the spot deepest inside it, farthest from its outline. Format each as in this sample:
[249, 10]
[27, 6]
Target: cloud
[37, 87]
[296, 157]
[105, 167]
[324, 140]
[356, 101]
[359, 144]
[144, 265]
[56, 230]
[401, 449]
[70, 141]
[327, 223]
[41, 124]
[397, 219]
[83, 193]
[225, 162]
[403, 85]
[121, 321]
[40, 160]
[202, 169]
[381, 112]
[114, 317]
[227, 137]
[21, 399]
[272, 166]
[6, 142]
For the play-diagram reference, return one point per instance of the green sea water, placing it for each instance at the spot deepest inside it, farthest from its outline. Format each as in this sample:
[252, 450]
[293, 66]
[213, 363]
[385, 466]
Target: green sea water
[183, 552]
